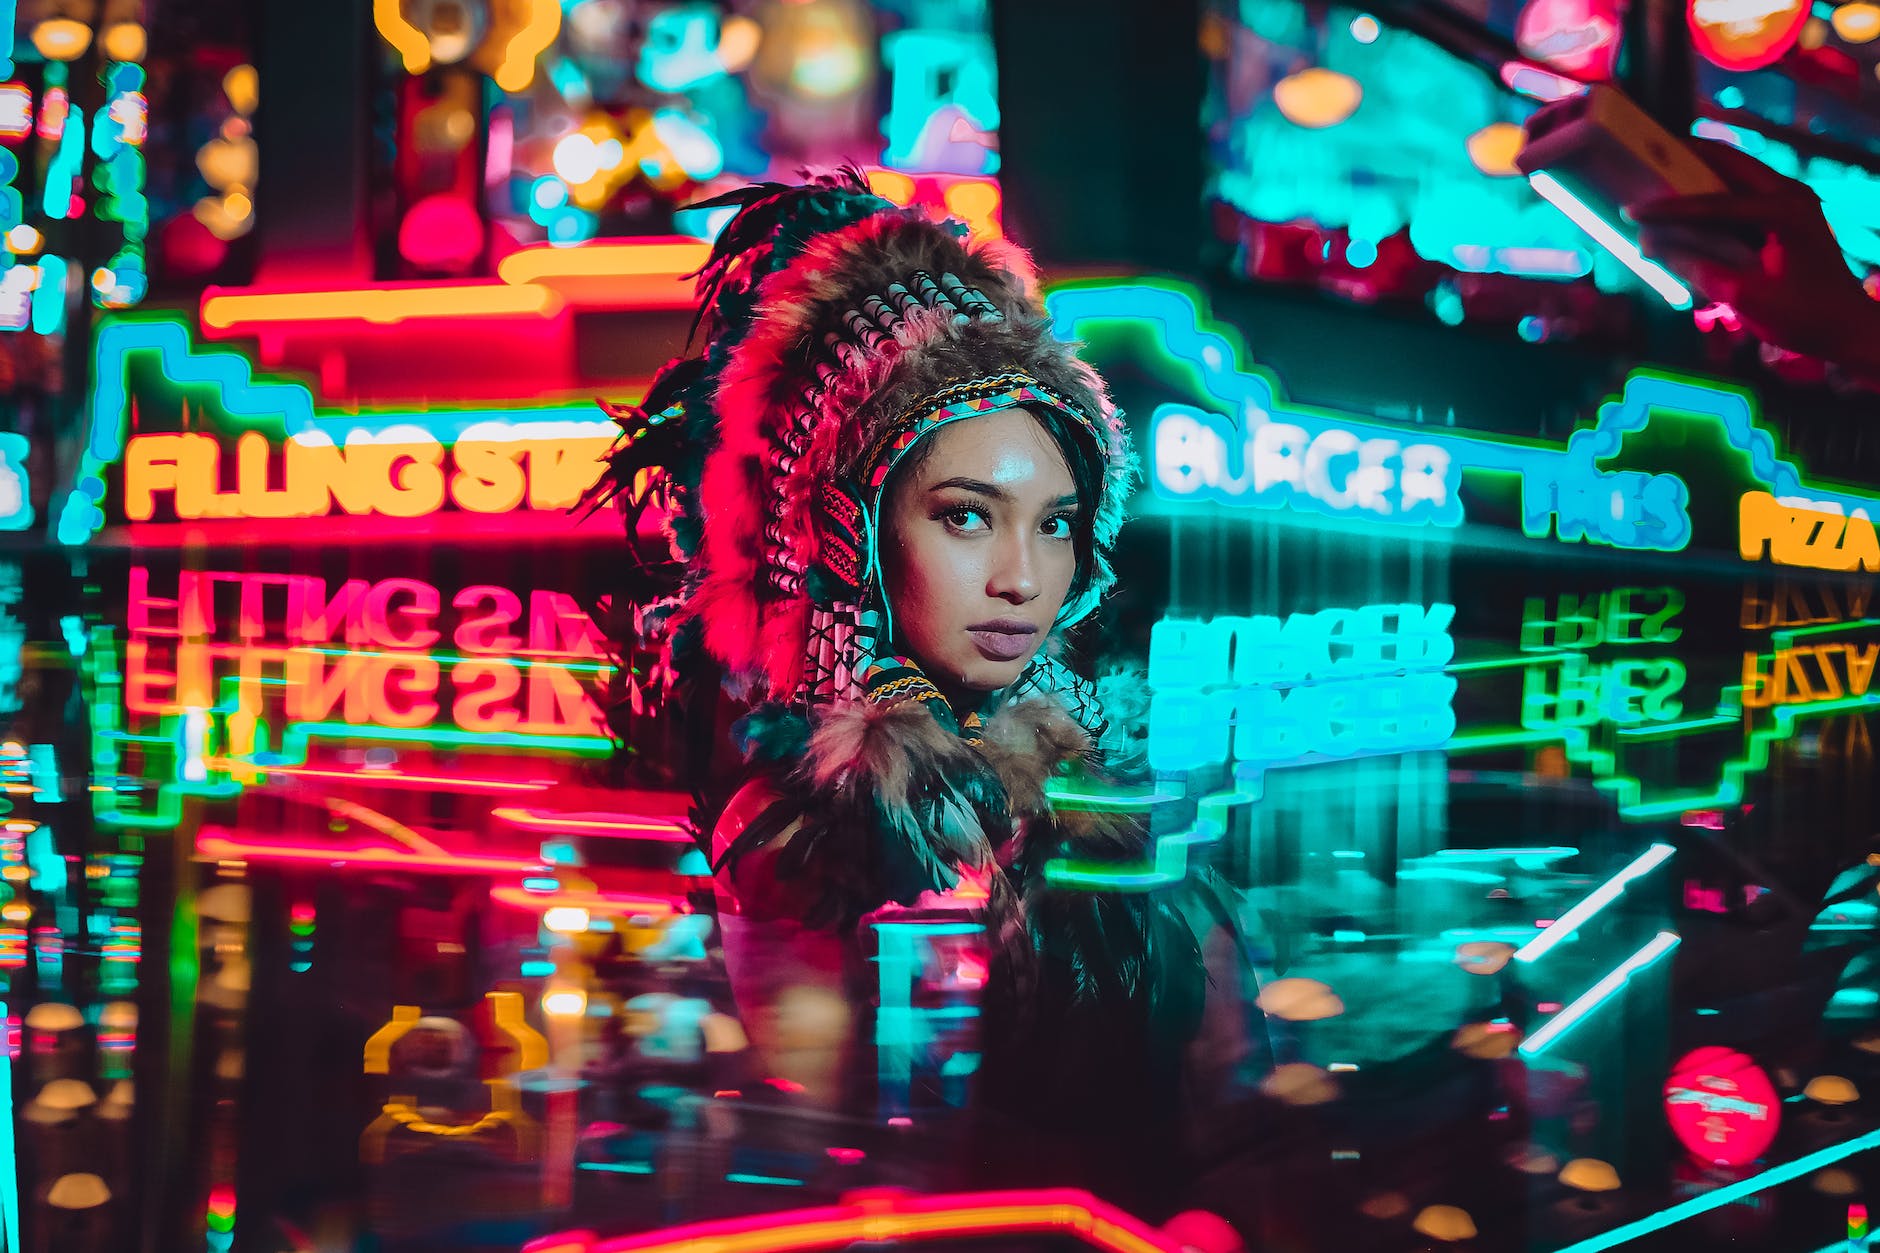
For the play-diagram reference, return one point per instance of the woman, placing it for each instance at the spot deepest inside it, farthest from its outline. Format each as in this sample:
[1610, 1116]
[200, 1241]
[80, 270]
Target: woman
[889, 491]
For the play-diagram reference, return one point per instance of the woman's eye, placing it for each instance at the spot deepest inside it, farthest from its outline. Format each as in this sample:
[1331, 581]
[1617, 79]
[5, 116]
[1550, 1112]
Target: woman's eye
[966, 519]
[1058, 527]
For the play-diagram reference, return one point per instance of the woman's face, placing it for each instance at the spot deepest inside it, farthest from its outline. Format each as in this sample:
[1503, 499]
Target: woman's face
[977, 551]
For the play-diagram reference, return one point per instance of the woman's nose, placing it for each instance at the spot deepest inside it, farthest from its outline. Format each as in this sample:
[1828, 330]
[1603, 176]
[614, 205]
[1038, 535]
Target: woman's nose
[1014, 572]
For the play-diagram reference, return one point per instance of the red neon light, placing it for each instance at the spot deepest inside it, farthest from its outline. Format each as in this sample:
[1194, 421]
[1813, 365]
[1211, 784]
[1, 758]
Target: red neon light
[609, 904]
[883, 1217]
[1722, 1107]
[385, 778]
[219, 844]
[659, 830]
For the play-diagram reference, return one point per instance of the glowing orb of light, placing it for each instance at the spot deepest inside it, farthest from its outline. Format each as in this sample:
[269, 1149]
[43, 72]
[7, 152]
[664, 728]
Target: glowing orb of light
[1857, 23]
[1745, 34]
[1317, 97]
[1493, 149]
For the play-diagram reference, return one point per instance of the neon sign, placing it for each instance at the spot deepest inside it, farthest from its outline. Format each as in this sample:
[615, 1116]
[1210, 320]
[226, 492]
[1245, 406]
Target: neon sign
[1818, 535]
[400, 471]
[1260, 690]
[1307, 463]
[290, 460]
[1722, 1107]
[1243, 445]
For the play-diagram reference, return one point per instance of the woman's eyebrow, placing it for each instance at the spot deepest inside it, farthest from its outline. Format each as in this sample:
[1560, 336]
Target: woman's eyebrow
[993, 490]
[973, 485]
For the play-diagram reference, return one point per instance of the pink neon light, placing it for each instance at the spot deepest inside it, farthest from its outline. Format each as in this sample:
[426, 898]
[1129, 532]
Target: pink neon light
[393, 778]
[664, 831]
[883, 1216]
[216, 844]
[599, 902]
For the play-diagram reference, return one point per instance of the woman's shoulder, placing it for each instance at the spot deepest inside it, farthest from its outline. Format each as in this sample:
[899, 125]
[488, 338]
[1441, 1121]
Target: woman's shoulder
[757, 797]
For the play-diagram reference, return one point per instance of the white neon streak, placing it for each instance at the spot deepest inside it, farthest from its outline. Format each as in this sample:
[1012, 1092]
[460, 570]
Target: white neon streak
[1599, 993]
[1655, 276]
[1601, 896]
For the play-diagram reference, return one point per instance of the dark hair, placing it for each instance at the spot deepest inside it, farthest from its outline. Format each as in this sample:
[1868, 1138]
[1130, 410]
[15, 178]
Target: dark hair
[1081, 457]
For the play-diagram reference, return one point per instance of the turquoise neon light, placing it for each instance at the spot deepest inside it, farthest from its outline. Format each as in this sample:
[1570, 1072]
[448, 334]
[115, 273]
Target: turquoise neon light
[16, 497]
[1583, 1006]
[939, 78]
[1335, 683]
[904, 1030]
[1564, 490]
[1598, 899]
[9, 1153]
[1254, 450]
[49, 296]
[273, 404]
[1168, 864]
[62, 172]
[1717, 1198]
[1653, 275]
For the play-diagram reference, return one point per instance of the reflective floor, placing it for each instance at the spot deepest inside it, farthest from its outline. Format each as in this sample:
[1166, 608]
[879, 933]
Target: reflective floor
[334, 921]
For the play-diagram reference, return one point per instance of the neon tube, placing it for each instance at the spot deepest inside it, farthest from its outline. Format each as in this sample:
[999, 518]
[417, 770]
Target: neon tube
[1719, 1197]
[215, 845]
[1598, 899]
[1654, 276]
[661, 830]
[1059, 1211]
[1598, 994]
[387, 778]
[226, 310]
[675, 258]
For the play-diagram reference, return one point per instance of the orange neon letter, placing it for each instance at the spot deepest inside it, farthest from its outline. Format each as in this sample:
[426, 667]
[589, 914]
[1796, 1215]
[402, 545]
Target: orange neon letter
[477, 633]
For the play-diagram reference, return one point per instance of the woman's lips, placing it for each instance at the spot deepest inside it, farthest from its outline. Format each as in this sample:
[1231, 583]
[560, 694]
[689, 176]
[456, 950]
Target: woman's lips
[1003, 643]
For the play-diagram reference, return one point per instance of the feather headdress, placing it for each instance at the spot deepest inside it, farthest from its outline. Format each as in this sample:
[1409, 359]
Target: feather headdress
[836, 330]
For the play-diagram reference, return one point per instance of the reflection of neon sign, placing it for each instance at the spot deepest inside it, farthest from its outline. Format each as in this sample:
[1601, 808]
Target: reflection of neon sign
[1624, 615]
[1573, 690]
[1233, 453]
[392, 682]
[1262, 690]
[1807, 673]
